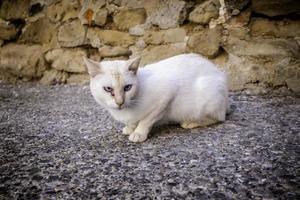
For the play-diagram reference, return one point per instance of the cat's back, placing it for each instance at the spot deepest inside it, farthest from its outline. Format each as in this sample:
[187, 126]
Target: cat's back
[183, 64]
[177, 73]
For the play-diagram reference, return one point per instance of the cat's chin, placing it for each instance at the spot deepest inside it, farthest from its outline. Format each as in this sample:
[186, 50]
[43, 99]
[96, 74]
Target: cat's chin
[116, 108]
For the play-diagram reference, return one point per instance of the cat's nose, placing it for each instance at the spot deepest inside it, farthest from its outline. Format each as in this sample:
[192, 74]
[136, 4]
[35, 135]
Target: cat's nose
[119, 99]
[120, 103]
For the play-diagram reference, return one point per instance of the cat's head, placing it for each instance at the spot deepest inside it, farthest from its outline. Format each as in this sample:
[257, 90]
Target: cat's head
[114, 84]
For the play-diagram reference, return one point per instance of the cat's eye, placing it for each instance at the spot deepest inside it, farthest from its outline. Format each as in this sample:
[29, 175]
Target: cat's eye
[127, 87]
[107, 89]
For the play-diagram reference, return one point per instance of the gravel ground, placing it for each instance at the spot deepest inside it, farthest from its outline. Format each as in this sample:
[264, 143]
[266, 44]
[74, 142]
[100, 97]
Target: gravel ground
[56, 143]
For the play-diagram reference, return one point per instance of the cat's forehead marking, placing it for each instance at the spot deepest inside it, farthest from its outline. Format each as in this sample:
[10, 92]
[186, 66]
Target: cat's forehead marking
[117, 76]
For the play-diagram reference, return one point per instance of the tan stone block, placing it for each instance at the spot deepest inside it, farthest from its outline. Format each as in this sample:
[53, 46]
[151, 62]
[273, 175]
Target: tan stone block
[205, 11]
[259, 47]
[7, 30]
[93, 12]
[273, 8]
[53, 76]
[72, 34]
[22, 60]
[78, 79]
[156, 53]
[128, 18]
[62, 10]
[275, 28]
[165, 14]
[40, 31]
[206, 42]
[175, 35]
[69, 60]
[112, 37]
[12, 10]
[109, 51]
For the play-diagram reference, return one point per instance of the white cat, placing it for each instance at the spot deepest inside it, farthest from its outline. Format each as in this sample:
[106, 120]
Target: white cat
[186, 89]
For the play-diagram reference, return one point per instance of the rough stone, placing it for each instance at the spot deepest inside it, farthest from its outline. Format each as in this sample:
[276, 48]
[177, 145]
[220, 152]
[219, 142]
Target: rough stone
[1, 42]
[206, 42]
[22, 60]
[287, 72]
[258, 47]
[109, 51]
[63, 10]
[136, 50]
[94, 54]
[8, 78]
[92, 12]
[98, 17]
[261, 71]
[72, 34]
[242, 33]
[293, 84]
[205, 11]
[69, 60]
[253, 71]
[240, 20]
[53, 77]
[154, 37]
[137, 30]
[297, 40]
[12, 10]
[153, 54]
[273, 8]
[7, 31]
[140, 43]
[110, 37]
[175, 35]
[288, 28]
[97, 37]
[115, 58]
[101, 17]
[46, 2]
[128, 18]
[40, 31]
[221, 60]
[237, 26]
[165, 14]
[236, 5]
[93, 38]
[78, 79]
[131, 3]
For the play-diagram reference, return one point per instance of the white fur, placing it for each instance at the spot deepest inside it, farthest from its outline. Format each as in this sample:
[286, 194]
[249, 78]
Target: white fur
[186, 89]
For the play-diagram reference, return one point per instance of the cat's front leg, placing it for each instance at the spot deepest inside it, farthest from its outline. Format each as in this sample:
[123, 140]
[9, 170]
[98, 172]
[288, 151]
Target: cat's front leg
[128, 129]
[143, 128]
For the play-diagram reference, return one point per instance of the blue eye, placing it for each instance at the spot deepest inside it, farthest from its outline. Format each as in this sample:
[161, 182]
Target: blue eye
[127, 87]
[108, 89]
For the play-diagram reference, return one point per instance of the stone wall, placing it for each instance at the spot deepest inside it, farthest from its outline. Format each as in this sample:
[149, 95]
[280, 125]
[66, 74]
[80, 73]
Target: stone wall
[256, 42]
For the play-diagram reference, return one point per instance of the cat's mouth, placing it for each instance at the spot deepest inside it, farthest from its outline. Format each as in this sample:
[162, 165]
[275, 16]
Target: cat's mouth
[120, 107]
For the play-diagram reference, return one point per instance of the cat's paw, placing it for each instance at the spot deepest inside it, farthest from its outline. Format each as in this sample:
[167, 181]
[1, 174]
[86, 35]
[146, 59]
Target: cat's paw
[137, 137]
[127, 130]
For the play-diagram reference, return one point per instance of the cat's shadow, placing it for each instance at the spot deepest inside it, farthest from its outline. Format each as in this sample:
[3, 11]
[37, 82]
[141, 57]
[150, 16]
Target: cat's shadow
[166, 129]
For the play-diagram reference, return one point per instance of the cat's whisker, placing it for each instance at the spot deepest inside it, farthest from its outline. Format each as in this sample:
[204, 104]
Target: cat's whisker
[133, 102]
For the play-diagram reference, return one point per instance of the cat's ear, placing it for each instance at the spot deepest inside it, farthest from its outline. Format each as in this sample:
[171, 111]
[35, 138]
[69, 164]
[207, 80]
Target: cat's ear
[93, 67]
[133, 64]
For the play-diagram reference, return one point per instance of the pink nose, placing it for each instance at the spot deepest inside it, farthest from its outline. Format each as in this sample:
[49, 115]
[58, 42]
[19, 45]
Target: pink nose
[120, 103]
